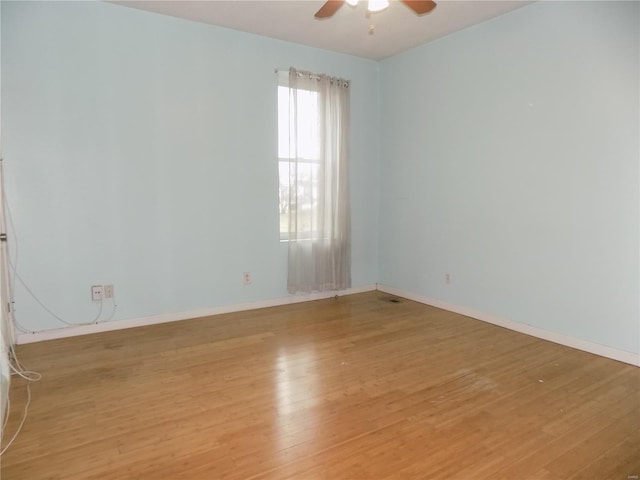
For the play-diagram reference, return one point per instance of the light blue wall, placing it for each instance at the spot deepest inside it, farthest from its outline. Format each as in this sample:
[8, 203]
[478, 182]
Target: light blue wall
[510, 156]
[141, 151]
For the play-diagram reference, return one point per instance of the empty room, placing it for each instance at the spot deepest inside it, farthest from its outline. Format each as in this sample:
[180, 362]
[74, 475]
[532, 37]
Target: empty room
[320, 239]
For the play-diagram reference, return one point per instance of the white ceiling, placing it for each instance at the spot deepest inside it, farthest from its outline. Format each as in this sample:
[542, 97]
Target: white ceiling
[396, 29]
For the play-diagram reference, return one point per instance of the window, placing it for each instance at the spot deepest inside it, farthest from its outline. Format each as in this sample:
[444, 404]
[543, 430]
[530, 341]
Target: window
[313, 151]
[308, 160]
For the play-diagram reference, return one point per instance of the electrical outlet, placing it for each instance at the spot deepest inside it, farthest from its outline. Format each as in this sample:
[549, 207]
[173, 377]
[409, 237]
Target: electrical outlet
[246, 278]
[96, 293]
[447, 278]
[108, 291]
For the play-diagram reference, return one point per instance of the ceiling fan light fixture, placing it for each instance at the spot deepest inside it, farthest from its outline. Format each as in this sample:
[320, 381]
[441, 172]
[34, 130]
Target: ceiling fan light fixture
[377, 5]
[419, 7]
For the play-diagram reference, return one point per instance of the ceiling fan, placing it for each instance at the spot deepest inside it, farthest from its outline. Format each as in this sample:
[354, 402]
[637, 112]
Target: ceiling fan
[420, 7]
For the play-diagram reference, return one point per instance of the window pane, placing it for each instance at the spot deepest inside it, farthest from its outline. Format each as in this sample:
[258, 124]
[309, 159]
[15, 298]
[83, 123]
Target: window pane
[307, 125]
[306, 201]
[308, 148]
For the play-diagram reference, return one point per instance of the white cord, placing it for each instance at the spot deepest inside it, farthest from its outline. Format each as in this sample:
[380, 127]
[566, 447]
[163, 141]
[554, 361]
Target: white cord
[113, 311]
[14, 363]
[21, 327]
[23, 371]
[14, 269]
[17, 369]
[24, 418]
[6, 413]
[48, 310]
[29, 376]
[15, 242]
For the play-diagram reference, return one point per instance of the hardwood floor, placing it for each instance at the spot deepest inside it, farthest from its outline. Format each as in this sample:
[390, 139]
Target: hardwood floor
[356, 387]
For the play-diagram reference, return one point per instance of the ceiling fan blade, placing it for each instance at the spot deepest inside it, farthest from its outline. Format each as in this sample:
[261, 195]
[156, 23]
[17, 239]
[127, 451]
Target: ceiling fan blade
[329, 8]
[420, 6]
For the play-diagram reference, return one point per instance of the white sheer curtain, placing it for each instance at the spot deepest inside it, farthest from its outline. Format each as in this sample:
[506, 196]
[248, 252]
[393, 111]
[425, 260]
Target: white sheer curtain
[319, 212]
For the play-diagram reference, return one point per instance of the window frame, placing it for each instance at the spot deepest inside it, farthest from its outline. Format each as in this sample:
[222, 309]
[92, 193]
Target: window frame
[307, 235]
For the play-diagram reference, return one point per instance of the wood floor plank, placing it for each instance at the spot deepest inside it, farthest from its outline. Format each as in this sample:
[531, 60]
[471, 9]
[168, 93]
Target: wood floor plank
[354, 387]
[596, 446]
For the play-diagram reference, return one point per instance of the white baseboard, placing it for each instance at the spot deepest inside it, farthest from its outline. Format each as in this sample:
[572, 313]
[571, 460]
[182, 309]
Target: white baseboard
[596, 348]
[174, 317]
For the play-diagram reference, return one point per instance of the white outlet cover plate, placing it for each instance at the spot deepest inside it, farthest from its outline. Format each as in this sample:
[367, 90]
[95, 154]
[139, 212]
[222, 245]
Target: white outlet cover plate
[96, 292]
